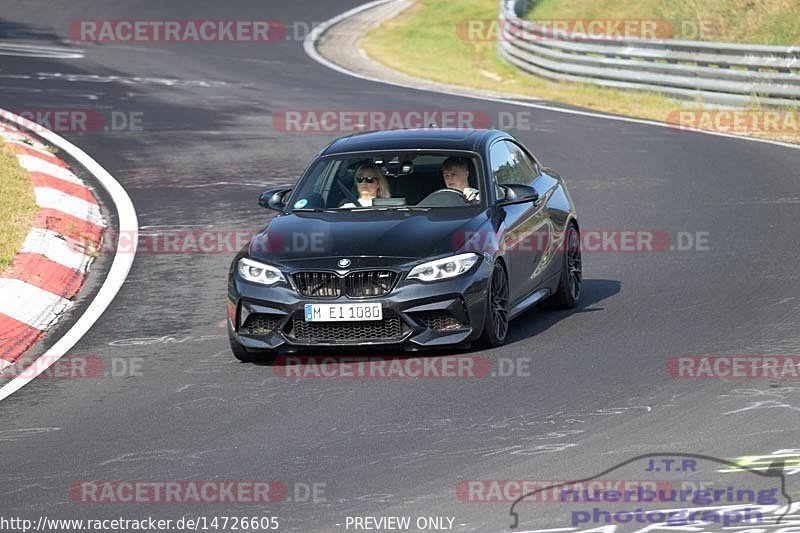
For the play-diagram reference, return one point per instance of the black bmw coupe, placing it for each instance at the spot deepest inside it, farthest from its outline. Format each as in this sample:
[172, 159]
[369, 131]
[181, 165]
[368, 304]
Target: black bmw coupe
[408, 238]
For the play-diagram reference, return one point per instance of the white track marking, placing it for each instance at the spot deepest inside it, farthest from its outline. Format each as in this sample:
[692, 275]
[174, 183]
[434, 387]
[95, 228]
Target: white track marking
[310, 46]
[29, 304]
[61, 201]
[30, 50]
[51, 245]
[128, 224]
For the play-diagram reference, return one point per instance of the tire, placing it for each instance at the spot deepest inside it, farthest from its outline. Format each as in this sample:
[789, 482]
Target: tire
[249, 356]
[568, 293]
[495, 323]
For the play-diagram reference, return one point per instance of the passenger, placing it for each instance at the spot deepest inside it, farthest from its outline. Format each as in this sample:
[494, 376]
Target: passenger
[456, 176]
[370, 184]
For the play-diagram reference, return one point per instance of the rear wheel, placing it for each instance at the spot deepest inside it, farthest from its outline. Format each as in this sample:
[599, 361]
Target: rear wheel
[569, 285]
[495, 325]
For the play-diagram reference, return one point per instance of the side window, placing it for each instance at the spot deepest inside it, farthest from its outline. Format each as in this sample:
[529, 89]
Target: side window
[531, 168]
[501, 162]
[518, 167]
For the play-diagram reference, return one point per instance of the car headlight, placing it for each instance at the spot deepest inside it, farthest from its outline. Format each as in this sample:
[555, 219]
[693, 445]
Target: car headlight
[449, 267]
[259, 272]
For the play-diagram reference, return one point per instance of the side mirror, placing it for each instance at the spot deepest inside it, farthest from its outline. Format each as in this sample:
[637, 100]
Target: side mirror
[274, 199]
[518, 194]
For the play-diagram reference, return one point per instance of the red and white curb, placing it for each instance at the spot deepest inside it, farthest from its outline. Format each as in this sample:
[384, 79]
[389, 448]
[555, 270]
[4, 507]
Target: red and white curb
[49, 269]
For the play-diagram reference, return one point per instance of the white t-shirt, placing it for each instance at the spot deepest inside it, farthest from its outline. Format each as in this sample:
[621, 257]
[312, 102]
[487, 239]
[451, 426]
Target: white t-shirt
[364, 203]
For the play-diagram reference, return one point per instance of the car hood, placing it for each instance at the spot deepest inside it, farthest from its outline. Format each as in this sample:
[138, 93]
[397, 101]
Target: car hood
[403, 235]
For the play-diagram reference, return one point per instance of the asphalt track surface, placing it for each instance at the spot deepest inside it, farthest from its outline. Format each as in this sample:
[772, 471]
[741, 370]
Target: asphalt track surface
[598, 392]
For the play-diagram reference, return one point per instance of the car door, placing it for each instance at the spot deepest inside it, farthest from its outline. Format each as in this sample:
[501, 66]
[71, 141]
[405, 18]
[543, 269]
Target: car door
[526, 233]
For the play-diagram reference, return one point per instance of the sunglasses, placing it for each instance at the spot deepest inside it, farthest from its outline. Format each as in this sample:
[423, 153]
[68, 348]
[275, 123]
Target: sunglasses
[368, 179]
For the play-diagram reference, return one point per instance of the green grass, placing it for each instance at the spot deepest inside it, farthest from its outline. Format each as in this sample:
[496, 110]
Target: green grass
[741, 21]
[17, 205]
[424, 42]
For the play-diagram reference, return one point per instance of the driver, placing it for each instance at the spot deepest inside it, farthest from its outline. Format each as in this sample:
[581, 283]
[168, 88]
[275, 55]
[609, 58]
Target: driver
[456, 176]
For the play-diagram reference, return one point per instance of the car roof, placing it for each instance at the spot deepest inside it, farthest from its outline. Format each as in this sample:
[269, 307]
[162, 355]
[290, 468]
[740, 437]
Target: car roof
[415, 139]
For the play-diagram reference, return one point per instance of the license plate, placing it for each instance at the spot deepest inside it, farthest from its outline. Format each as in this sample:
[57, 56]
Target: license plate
[343, 312]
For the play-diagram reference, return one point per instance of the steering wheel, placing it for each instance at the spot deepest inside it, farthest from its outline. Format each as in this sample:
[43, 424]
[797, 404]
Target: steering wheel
[444, 198]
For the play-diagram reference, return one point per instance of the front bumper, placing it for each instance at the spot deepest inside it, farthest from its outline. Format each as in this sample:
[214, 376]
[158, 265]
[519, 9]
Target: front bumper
[416, 315]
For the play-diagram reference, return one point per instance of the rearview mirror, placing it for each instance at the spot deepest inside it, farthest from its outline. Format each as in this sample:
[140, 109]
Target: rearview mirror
[274, 199]
[517, 194]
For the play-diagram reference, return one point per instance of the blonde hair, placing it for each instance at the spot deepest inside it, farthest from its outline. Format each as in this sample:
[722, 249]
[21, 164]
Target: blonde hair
[383, 183]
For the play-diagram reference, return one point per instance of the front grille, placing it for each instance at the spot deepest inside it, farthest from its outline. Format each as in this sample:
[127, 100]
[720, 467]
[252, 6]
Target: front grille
[440, 320]
[318, 284]
[390, 329]
[368, 283]
[260, 324]
[360, 284]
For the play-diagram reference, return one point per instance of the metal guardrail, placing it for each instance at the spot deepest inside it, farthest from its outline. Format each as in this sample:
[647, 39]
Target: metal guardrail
[715, 73]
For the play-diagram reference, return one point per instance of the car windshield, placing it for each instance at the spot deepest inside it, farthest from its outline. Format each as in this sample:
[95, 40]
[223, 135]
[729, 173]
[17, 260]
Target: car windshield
[391, 180]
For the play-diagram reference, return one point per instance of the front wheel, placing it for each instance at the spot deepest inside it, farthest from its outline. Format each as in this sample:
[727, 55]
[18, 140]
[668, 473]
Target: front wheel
[569, 285]
[495, 325]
